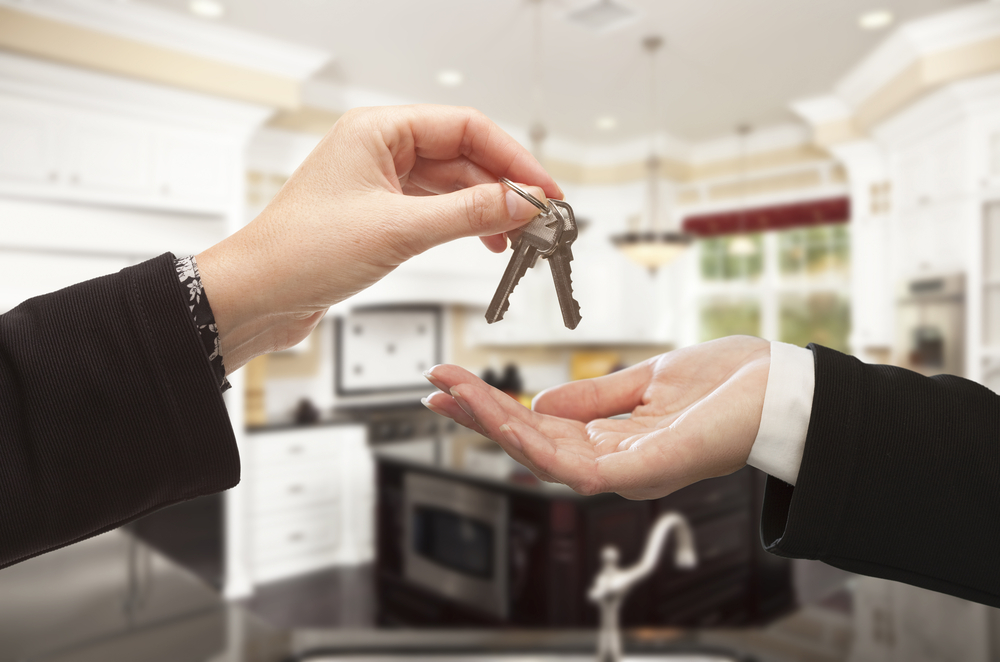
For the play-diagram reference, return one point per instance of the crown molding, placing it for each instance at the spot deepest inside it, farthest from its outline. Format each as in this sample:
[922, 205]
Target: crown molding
[915, 40]
[177, 32]
[822, 110]
[948, 106]
[917, 60]
[28, 78]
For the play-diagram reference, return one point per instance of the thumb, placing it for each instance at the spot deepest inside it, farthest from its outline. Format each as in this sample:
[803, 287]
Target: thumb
[477, 211]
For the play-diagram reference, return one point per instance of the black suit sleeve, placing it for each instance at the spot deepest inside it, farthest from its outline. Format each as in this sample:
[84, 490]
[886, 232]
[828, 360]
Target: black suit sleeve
[108, 410]
[900, 479]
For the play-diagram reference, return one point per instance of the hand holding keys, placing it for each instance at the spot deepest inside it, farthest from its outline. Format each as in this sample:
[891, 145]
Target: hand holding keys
[549, 235]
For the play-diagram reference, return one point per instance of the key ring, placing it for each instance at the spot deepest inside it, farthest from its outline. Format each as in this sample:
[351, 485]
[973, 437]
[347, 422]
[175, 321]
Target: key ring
[524, 194]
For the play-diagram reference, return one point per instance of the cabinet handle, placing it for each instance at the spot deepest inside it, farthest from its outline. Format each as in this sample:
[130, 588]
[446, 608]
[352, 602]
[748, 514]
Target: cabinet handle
[296, 536]
[165, 189]
[295, 450]
[53, 176]
[74, 178]
[295, 489]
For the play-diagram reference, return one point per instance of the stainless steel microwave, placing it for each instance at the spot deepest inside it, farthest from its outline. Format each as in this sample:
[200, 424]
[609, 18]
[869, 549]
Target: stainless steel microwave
[456, 541]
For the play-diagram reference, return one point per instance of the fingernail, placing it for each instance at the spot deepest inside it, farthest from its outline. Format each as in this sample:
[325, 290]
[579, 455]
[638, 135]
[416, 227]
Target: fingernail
[519, 208]
[462, 403]
[426, 401]
[510, 436]
[434, 380]
[562, 196]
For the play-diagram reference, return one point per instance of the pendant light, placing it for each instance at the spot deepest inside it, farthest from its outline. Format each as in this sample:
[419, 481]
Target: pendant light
[741, 245]
[652, 248]
[537, 132]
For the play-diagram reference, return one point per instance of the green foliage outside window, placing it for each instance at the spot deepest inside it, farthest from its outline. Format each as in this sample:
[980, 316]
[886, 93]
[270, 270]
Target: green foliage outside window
[721, 318]
[820, 318]
[818, 252]
[733, 257]
[812, 251]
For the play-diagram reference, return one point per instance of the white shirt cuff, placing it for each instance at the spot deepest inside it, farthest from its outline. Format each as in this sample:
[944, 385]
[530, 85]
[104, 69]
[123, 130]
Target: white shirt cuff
[784, 421]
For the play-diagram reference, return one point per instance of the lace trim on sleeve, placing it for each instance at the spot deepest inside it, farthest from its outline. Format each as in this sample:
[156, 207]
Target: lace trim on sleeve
[201, 315]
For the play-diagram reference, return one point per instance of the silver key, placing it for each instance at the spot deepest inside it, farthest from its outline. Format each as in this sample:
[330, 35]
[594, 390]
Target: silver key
[549, 235]
[539, 237]
[559, 264]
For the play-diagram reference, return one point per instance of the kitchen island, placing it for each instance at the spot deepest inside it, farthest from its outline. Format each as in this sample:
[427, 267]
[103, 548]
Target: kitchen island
[467, 537]
[114, 598]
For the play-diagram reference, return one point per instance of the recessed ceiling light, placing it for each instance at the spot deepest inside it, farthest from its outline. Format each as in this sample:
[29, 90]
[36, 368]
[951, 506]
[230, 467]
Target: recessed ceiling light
[450, 78]
[606, 123]
[207, 8]
[875, 20]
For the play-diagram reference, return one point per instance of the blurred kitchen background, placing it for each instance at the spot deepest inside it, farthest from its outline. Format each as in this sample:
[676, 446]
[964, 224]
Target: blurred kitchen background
[824, 171]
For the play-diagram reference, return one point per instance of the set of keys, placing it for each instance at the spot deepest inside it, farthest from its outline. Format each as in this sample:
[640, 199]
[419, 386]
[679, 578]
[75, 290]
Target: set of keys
[549, 235]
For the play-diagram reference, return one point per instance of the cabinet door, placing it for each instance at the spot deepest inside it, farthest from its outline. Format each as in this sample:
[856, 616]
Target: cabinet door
[357, 488]
[105, 155]
[617, 300]
[194, 170]
[531, 317]
[26, 156]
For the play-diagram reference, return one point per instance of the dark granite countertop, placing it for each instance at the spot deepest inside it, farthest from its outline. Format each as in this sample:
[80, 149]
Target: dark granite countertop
[472, 458]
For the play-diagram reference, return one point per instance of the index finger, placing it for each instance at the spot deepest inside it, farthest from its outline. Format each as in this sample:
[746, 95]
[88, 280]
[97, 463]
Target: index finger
[447, 132]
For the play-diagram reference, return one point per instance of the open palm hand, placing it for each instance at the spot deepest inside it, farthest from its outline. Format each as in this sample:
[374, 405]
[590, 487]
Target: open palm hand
[694, 415]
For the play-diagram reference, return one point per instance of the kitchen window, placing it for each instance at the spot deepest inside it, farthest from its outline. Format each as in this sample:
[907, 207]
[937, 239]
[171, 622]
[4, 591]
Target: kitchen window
[790, 285]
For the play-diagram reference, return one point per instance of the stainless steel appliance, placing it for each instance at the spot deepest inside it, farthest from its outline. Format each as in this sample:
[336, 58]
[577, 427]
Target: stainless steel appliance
[456, 541]
[930, 325]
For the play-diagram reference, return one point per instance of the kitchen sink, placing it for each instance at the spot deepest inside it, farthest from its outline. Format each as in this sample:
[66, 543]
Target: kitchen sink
[512, 645]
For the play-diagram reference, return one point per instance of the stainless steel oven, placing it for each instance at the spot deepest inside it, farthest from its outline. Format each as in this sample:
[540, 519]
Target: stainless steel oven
[930, 323]
[456, 541]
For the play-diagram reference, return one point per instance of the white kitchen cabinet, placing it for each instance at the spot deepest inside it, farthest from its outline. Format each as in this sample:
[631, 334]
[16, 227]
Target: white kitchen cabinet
[620, 303]
[311, 493]
[460, 272]
[72, 155]
[28, 140]
[933, 169]
[194, 169]
[104, 155]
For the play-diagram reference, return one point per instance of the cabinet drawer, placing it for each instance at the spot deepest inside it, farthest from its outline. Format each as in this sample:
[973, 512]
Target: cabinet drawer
[287, 490]
[285, 536]
[307, 449]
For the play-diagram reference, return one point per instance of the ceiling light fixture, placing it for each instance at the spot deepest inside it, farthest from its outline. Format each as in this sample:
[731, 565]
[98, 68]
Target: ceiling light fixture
[206, 8]
[450, 78]
[875, 20]
[652, 248]
[742, 245]
[537, 131]
[607, 123]
[603, 15]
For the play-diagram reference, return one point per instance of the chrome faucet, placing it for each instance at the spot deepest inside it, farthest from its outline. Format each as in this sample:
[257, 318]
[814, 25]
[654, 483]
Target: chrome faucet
[612, 583]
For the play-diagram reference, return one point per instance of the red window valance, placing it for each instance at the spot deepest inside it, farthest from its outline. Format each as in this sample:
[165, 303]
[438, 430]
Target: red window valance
[775, 217]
